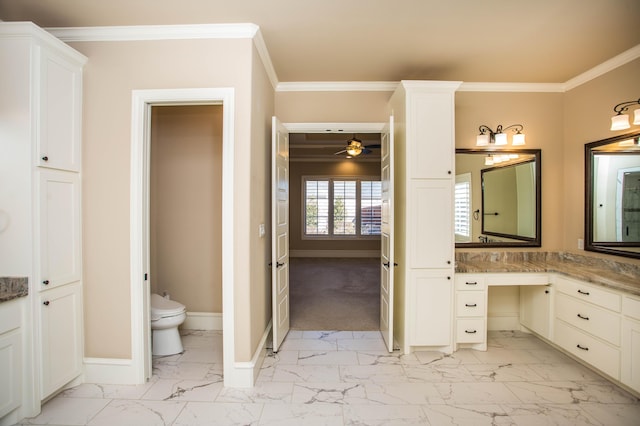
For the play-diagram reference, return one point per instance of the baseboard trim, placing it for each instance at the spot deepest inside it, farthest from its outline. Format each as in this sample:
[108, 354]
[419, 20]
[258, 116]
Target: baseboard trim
[246, 373]
[203, 321]
[334, 253]
[110, 371]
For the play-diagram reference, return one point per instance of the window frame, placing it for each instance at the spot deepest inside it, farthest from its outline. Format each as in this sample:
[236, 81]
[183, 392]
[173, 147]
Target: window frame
[331, 235]
[466, 179]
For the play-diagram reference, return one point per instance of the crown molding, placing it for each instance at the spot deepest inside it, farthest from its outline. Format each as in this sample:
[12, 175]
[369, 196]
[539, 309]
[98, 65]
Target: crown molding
[511, 87]
[613, 63]
[337, 86]
[263, 52]
[154, 32]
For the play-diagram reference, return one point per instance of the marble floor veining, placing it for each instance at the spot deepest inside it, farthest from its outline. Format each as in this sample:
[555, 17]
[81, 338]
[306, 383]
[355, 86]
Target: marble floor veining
[347, 378]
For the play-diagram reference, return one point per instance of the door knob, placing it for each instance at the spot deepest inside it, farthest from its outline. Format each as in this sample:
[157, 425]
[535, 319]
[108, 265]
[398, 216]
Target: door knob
[45, 158]
[278, 264]
[45, 303]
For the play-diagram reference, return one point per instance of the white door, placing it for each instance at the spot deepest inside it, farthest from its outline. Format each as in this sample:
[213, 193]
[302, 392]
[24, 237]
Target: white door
[279, 232]
[386, 250]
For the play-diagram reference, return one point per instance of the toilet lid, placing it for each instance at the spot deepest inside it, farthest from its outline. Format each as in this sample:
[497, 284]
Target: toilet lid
[161, 307]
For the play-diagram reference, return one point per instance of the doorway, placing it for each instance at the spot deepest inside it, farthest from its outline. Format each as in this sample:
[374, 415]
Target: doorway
[344, 269]
[142, 103]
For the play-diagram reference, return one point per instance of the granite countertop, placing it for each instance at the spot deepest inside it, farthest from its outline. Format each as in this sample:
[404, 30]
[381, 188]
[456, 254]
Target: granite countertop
[13, 287]
[613, 274]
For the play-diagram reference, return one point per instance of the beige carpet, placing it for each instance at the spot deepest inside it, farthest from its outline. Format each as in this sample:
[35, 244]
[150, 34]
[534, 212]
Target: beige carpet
[335, 294]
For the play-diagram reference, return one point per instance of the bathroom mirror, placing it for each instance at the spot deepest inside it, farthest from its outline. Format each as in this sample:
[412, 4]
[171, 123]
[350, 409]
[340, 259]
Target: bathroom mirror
[497, 198]
[612, 196]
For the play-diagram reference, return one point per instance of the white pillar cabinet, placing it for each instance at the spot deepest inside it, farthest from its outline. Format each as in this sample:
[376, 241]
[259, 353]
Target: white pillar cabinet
[40, 194]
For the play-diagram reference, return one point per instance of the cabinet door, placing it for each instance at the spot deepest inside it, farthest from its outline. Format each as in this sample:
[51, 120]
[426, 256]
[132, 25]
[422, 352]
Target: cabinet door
[431, 224]
[61, 337]
[431, 296]
[60, 113]
[630, 372]
[59, 228]
[535, 308]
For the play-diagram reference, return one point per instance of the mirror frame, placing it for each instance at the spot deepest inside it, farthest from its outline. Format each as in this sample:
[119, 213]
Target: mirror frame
[530, 242]
[589, 244]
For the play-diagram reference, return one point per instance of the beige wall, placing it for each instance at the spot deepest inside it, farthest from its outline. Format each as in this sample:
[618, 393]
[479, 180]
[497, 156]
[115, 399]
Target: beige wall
[186, 205]
[113, 71]
[332, 107]
[338, 168]
[541, 114]
[587, 110]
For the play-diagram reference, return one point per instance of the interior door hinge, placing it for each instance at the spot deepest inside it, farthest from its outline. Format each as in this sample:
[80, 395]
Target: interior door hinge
[146, 277]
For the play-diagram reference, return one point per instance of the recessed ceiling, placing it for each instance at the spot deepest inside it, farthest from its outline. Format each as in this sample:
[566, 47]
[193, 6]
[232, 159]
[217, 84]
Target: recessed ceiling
[389, 40]
[324, 146]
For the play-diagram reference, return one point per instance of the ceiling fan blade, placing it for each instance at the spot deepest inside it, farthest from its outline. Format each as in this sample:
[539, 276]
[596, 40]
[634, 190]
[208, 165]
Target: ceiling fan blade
[340, 152]
[373, 146]
[366, 151]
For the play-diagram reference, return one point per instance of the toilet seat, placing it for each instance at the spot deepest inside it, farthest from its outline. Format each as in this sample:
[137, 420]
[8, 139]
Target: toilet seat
[163, 308]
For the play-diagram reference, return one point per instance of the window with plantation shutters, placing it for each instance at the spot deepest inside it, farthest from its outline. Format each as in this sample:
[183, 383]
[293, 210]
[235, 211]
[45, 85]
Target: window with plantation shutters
[341, 207]
[462, 208]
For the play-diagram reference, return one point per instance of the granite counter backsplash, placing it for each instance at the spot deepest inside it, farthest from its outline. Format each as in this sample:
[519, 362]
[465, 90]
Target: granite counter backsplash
[13, 287]
[610, 273]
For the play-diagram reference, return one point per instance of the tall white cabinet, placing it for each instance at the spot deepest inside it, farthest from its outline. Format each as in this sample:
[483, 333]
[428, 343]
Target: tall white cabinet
[40, 205]
[424, 245]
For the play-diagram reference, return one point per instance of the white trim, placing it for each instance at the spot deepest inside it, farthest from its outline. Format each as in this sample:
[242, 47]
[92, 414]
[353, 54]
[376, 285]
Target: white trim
[110, 371]
[203, 321]
[247, 372]
[263, 52]
[337, 86]
[613, 63]
[334, 253]
[141, 101]
[512, 87]
[154, 32]
[334, 127]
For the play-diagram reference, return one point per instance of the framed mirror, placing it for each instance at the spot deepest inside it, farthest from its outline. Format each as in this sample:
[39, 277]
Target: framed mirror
[498, 198]
[612, 195]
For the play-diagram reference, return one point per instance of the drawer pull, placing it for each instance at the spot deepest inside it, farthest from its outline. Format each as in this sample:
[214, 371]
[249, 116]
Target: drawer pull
[586, 293]
[471, 331]
[584, 318]
[470, 305]
[471, 283]
[584, 348]
[46, 303]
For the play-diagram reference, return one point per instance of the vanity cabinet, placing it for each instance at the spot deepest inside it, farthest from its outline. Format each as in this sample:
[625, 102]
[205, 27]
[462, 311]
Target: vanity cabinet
[535, 309]
[40, 157]
[588, 324]
[630, 369]
[471, 311]
[424, 142]
[10, 356]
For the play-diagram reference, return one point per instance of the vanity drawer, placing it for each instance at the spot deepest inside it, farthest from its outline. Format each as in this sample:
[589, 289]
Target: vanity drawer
[470, 330]
[631, 307]
[592, 294]
[592, 319]
[602, 356]
[470, 303]
[470, 282]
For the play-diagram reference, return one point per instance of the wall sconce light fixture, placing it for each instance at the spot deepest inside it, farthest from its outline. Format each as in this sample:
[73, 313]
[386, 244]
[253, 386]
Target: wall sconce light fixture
[499, 137]
[620, 121]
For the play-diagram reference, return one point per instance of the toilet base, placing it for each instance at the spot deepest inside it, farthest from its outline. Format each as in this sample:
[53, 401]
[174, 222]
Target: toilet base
[166, 342]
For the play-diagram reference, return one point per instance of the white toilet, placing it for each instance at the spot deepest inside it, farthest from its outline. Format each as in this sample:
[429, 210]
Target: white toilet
[166, 316]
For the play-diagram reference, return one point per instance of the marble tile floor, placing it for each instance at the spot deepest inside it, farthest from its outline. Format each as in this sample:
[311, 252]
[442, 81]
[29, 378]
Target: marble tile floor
[347, 378]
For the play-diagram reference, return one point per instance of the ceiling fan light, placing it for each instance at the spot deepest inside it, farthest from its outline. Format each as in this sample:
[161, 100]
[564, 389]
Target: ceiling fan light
[354, 150]
[482, 139]
[620, 122]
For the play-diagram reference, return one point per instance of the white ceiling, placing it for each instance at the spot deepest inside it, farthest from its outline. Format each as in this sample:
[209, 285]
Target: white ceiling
[532, 41]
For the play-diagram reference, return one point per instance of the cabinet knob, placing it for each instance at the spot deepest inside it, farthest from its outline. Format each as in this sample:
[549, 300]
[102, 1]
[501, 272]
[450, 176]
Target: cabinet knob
[45, 303]
[45, 158]
[448, 172]
[45, 282]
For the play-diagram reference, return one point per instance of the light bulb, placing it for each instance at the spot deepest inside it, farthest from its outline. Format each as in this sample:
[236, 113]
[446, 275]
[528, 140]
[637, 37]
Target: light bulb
[620, 122]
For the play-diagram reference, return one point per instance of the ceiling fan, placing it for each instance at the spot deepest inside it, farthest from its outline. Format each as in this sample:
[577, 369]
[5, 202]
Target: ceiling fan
[354, 148]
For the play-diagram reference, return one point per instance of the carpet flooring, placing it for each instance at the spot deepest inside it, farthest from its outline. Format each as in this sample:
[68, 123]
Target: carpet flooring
[335, 294]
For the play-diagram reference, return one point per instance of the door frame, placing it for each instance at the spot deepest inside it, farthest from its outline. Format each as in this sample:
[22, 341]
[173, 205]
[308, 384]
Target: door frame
[142, 101]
